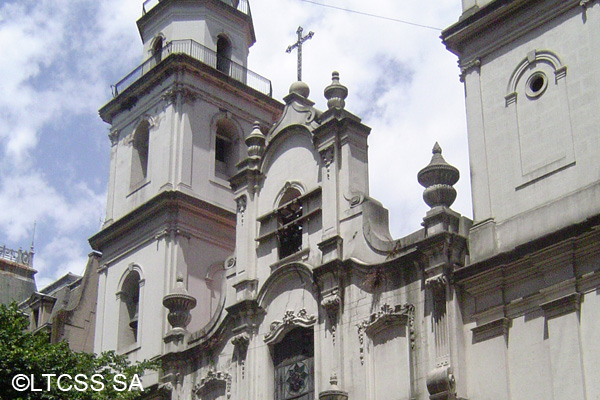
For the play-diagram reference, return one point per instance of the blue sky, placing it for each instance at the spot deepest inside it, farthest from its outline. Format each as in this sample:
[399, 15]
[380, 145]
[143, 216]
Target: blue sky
[60, 57]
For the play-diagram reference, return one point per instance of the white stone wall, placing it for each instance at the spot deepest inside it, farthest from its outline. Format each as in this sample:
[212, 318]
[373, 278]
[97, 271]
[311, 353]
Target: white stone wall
[533, 159]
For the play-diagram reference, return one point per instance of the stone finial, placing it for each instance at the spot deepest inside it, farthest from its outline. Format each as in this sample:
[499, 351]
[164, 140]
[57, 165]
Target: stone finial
[333, 393]
[255, 142]
[300, 88]
[336, 93]
[179, 303]
[438, 178]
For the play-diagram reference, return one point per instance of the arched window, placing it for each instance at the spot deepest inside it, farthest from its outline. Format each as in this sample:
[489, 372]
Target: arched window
[289, 212]
[139, 161]
[129, 297]
[293, 359]
[225, 149]
[223, 54]
[157, 49]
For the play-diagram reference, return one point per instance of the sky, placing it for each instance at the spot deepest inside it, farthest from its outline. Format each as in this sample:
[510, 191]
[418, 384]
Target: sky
[61, 56]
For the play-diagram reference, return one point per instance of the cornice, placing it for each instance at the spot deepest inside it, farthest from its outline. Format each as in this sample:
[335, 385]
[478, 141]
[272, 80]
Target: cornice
[127, 99]
[499, 23]
[164, 202]
[534, 248]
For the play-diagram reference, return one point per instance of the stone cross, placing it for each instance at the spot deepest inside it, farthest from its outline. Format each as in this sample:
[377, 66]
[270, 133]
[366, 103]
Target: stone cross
[298, 44]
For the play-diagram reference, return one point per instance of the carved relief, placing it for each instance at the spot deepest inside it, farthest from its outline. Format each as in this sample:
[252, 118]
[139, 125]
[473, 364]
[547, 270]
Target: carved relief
[290, 320]
[179, 92]
[439, 319]
[309, 111]
[241, 342]
[212, 382]
[113, 136]
[387, 315]
[241, 207]
[355, 198]
[230, 262]
[327, 156]
[466, 67]
[331, 304]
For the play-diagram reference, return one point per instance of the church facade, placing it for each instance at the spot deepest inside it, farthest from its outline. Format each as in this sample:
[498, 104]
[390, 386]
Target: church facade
[242, 248]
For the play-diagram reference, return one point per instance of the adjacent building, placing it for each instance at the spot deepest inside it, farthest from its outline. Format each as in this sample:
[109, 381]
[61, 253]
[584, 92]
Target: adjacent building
[17, 276]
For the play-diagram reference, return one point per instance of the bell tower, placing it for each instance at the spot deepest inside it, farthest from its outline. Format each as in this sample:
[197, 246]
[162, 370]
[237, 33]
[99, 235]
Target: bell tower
[531, 76]
[177, 127]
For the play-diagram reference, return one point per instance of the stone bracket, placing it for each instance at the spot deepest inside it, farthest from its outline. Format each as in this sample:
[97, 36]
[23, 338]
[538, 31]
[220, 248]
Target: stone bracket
[561, 306]
[491, 330]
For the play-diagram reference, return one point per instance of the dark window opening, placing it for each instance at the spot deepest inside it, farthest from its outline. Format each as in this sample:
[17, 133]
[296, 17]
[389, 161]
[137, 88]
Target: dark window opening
[221, 147]
[223, 55]
[157, 50]
[294, 367]
[290, 225]
[225, 149]
[36, 318]
[141, 141]
[537, 83]
[129, 312]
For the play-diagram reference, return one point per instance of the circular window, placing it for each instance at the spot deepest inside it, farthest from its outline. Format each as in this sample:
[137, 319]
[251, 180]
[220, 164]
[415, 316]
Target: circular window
[536, 84]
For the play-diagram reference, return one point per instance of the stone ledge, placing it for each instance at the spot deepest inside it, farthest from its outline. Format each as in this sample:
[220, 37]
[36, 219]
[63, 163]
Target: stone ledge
[491, 330]
[561, 306]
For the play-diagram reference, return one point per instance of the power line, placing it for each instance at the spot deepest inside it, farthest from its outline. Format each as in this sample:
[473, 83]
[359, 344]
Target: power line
[373, 15]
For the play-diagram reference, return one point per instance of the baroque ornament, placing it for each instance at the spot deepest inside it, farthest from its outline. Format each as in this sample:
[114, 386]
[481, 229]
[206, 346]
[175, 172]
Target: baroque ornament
[331, 304]
[327, 156]
[212, 380]
[290, 320]
[386, 316]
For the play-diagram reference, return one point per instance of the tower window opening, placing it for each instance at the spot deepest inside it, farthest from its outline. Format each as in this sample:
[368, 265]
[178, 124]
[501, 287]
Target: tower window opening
[225, 149]
[289, 234]
[129, 310]
[139, 162]
[221, 147]
[157, 49]
[223, 55]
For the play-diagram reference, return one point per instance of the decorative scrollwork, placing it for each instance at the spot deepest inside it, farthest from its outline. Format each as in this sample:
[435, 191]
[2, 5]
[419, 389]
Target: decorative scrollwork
[464, 68]
[230, 262]
[211, 380]
[290, 320]
[387, 315]
[242, 340]
[331, 304]
[179, 92]
[327, 156]
[113, 136]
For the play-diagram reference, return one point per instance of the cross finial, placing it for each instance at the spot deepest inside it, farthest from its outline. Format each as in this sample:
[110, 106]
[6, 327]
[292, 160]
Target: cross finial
[298, 44]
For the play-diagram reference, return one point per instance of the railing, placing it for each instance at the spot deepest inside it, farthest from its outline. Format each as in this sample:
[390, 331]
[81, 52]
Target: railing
[19, 256]
[204, 55]
[240, 5]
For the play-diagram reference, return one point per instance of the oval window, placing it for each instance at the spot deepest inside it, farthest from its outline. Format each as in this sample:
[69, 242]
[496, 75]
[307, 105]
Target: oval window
[536, 84]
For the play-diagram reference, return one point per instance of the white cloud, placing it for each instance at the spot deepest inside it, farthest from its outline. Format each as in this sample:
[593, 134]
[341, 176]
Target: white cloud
[25, 199]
